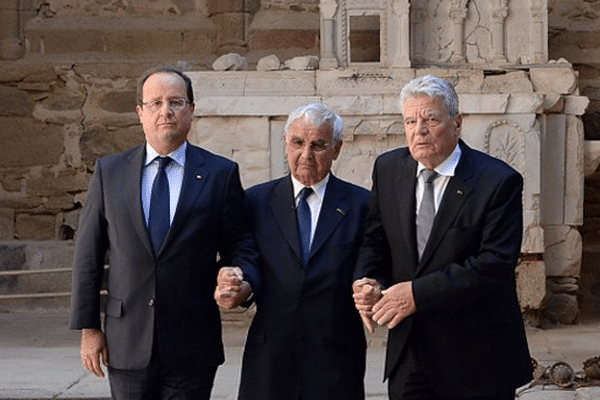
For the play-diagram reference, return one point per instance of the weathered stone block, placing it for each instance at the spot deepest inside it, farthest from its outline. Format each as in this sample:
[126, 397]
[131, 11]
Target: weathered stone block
[483, 104]
[99, 141]
[563, 251]
[49, 183]
[531, 284]
[574, 170]
[118, 101]
[7, 224]
[562, 80]
[561, 308]
[553, 173]
[230, 62]
[284, 39]
[15, 102]
[35, 227]
[21, 203]
[126, 35]
[250, 149]
[285, 29]
[575, 105]
[358, 82]
[27, 71]
[302, 63]
[512, 82]
[97, 108]
[21, 139]
[268, 63]
[587, 393]
[232, 6]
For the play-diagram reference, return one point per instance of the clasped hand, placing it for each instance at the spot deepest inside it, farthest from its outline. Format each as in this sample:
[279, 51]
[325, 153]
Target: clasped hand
[232, 290]
[384, 307]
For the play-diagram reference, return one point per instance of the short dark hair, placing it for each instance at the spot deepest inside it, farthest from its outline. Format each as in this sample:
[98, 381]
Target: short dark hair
[165, 69]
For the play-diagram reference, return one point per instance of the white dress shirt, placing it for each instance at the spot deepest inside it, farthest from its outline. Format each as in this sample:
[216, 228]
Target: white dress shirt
[446, 171]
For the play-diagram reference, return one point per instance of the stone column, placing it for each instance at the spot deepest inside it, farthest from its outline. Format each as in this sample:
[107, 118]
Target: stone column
[328, 10]
[538, 32]
[418, 42]
[11, 46]
[499, 14]
[232, 18]
[458, 14]
[398, 37]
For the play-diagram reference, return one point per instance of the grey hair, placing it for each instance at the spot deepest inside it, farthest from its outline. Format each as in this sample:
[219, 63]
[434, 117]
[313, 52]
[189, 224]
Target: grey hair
[317, 114]
[433, 87]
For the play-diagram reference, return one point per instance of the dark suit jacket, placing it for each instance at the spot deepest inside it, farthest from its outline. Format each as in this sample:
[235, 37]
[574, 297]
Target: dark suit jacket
[468, 326]
[172, 290]
[306, 337]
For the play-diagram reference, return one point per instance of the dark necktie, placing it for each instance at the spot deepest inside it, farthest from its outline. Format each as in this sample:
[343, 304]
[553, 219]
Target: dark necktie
[304, 223]
[426, 210]
[159, 216]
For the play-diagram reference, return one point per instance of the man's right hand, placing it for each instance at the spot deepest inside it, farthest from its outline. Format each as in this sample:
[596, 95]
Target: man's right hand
[367, 293]
[94, 347]
[232, 290]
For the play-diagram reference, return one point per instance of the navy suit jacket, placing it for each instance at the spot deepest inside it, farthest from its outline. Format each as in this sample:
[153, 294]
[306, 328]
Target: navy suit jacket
[468, 325]
[171, 291]
[306, 339]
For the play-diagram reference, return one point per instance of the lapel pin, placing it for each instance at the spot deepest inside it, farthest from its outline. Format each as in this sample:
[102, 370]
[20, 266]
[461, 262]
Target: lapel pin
[459, 192]
[199, 176]
[340, 211]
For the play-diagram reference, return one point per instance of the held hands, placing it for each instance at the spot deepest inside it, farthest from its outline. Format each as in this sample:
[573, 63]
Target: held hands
[94, 347]
[396, 304]
[367, 293]
[232, 290]
[388, 307]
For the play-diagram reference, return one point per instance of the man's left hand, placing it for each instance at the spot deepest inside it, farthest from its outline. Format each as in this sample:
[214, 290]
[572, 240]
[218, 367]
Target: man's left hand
[396, 304]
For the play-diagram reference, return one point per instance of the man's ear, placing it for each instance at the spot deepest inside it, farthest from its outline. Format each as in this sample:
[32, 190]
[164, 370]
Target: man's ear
[458, 121]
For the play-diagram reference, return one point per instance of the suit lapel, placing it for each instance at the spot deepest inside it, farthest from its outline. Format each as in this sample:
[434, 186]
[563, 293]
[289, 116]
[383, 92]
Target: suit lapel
[283, 209]
[405, 204]
[333, 210]
[195, 176]
[134, 194]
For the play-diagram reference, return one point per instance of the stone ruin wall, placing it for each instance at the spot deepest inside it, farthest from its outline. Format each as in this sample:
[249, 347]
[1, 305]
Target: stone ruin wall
[68, 73]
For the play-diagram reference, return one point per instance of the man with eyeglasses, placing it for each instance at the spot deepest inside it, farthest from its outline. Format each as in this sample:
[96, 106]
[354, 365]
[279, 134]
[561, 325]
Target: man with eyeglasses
[306, 340]
[159, 213]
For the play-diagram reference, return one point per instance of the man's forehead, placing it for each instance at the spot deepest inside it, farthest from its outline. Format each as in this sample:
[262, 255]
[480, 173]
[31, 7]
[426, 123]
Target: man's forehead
[423, 105]
[170, 79]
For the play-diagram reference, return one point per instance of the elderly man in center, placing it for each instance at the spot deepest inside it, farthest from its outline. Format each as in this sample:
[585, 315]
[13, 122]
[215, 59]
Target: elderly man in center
[306, 340]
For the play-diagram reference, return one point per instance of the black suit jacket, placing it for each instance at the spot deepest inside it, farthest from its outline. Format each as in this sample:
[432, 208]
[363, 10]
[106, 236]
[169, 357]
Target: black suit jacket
[468, 326]
[172, 290]
[306, 337]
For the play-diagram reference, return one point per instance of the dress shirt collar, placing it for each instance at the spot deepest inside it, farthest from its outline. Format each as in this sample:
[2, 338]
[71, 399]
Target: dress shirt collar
[447, 167]
[318, 188]
[177, 155]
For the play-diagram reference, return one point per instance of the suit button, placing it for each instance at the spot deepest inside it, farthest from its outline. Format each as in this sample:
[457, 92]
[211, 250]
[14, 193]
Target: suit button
[152, 302]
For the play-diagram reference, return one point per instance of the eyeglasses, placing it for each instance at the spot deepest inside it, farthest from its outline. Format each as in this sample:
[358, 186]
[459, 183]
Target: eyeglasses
[174, 104]
[317, 147]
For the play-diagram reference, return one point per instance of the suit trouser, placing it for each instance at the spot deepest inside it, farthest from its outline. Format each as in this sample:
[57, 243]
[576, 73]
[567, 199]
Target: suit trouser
[409, 382]
[159, 381]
